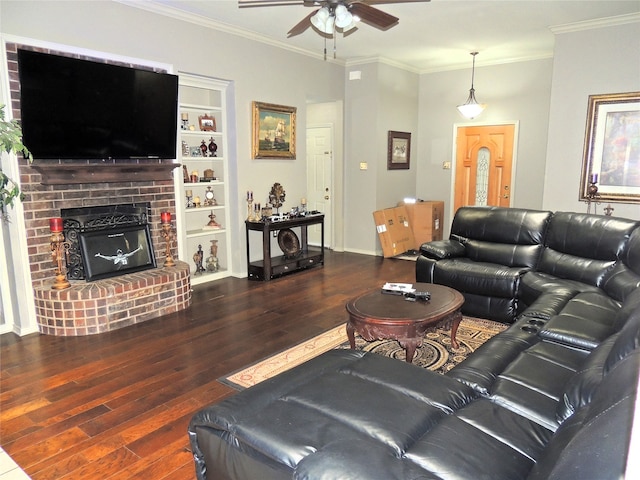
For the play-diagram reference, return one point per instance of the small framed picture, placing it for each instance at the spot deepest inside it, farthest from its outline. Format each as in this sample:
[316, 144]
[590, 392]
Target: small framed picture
[398, 150]
[196, 152]
[207, 123]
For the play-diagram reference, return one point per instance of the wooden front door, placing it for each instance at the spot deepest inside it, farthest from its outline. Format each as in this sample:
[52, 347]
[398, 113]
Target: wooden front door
[484, 157]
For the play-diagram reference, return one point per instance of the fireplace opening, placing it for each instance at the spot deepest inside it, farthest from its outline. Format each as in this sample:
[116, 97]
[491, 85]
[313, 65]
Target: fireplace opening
[108, 240]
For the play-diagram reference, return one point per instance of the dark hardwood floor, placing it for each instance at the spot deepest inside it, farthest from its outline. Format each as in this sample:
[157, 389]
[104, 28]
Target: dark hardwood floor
[117, 405]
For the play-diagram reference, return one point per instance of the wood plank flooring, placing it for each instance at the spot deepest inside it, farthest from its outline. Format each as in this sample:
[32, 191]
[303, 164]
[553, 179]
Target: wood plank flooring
[117, 405]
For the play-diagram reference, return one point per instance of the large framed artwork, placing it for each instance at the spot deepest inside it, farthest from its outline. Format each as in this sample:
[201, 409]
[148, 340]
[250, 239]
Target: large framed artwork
[611, 157]
[398, 150]
[274, 131]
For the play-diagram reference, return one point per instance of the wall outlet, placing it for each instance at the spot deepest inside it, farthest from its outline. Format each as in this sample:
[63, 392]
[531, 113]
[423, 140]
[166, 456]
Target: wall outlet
[363, 165]
[446, 165]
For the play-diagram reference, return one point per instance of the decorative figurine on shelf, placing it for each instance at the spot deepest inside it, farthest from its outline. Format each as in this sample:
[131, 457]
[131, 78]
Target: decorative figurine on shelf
[185, 121]
[212, 225]
[197, 259]
[212, 261]
[277, 196]
[209, 175]
[608, 210]
[185, 174]
[196, 201]
[213, 148]
[189, 195]
[209, 198]
[186, 150]
[203, 148]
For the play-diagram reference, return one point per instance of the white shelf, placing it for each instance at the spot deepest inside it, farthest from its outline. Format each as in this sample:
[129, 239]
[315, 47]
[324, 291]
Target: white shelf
[200, 108]
[203, 96]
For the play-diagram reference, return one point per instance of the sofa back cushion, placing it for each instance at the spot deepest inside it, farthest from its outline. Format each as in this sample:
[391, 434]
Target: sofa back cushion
[624, 278]
[584, 247]
[509, 236]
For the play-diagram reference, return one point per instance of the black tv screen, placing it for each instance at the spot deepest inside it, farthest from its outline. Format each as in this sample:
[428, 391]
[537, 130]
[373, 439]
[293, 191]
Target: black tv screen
[80, 109]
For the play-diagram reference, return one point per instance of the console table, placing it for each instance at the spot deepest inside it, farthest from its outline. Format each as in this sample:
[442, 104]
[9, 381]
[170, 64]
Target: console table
[272, 266]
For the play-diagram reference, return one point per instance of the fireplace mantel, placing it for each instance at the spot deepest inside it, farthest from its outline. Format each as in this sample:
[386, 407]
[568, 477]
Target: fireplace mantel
[74, 173]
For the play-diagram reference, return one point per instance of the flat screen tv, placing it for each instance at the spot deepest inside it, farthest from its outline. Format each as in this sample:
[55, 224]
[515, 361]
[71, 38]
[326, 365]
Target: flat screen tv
[81, 109]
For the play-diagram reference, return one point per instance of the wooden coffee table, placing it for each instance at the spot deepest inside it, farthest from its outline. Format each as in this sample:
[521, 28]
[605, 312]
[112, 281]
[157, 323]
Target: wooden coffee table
[376, 316]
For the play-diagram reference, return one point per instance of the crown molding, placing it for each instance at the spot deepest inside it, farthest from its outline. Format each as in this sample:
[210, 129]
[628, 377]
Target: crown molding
[206, 22]
[596, 23]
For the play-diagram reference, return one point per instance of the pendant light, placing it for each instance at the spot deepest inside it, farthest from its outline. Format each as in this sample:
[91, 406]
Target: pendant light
[471, 108]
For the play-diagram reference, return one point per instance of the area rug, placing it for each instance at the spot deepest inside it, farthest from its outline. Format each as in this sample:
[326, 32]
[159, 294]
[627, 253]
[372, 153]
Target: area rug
[436, 352]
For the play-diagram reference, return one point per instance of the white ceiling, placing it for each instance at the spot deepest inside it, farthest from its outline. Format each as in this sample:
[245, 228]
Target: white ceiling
[430, 36]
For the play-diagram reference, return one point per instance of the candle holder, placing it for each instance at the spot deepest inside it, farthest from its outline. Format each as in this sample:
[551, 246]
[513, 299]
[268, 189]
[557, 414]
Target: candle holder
[593, 197]
[168, 235]
[249, 209]
[59, 252]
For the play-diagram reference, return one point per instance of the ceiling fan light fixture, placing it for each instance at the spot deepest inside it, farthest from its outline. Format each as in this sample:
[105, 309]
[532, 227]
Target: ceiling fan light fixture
[471, 108]
[319, 20]
[343, 16]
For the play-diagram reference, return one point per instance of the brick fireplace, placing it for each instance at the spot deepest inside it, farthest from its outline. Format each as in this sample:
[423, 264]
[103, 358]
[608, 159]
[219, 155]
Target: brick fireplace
[102, 305]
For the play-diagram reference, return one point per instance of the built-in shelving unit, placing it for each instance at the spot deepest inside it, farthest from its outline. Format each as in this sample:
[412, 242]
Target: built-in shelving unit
[202, 145]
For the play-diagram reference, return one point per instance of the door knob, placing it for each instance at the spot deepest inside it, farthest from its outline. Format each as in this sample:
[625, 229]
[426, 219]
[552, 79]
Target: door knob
[505, 196]
[326, 197]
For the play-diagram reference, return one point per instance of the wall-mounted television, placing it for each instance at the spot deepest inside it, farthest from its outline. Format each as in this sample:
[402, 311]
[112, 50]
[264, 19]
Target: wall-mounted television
[81, 109]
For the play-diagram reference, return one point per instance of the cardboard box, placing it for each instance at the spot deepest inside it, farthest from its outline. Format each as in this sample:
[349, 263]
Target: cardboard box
[394, 230]
[426, 219]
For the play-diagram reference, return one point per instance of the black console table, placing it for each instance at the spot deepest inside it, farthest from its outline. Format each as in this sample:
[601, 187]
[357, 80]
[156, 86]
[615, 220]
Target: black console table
[272, 266]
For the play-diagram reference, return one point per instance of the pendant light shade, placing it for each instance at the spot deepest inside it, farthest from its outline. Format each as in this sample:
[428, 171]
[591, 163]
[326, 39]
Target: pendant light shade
[471, 108]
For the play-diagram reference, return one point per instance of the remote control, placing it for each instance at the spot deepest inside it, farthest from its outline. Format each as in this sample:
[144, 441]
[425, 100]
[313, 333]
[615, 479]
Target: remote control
[413, 296]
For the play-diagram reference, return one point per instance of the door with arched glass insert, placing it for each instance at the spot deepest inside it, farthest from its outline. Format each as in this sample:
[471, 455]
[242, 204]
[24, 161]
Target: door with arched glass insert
[484, 161]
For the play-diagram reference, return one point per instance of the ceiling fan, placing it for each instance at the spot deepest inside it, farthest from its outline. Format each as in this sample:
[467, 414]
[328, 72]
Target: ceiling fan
[334, 14]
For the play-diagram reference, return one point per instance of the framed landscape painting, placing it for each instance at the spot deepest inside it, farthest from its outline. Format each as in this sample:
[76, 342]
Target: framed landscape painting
[611, 157]
[274, 131]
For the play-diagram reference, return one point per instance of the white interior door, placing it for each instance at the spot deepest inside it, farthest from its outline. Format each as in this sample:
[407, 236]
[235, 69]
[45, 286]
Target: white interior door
[319, 180]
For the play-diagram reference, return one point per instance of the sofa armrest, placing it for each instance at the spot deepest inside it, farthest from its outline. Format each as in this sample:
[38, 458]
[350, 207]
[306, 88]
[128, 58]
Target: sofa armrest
[441, 249]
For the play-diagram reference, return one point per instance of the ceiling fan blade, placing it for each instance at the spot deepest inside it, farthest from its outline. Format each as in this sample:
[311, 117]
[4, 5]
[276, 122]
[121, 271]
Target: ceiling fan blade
[381, 2]
[373, 16]
[268, 3]
[301, 26]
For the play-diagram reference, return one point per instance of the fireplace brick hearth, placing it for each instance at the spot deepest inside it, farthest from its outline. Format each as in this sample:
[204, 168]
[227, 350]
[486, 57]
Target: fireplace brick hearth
[109, 304]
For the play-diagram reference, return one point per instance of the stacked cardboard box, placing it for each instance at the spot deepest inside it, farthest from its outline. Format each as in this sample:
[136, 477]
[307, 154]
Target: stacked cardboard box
[394, 230]
[407, 226]
[426, 219]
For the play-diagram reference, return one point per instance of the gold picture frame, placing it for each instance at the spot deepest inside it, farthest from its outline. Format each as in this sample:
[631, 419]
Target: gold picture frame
[611, 156]
[398, 150]
[273, 131]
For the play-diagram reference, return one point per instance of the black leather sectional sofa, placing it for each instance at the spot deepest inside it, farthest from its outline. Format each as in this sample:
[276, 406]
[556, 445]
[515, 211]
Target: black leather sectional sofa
[552, 397]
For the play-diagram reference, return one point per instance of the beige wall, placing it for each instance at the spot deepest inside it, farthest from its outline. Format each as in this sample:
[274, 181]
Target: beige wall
[598, 61]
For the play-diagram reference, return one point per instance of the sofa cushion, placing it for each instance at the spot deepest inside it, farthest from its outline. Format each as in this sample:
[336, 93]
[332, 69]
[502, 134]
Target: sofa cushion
[516, 226]
[507, 254]
[585, 321]
[480, 278]
[534, 284]
[590, 444]
[624, 278]
[583, 247]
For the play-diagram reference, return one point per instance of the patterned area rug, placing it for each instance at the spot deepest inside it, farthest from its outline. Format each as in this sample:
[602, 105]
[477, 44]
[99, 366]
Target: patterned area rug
[436, 352]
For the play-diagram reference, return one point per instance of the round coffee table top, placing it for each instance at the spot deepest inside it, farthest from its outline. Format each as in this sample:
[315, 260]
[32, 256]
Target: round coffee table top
[381, 308]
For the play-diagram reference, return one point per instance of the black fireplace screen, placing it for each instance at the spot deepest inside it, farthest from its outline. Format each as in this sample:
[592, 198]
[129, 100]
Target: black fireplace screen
[107, 240]
[106, 253]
